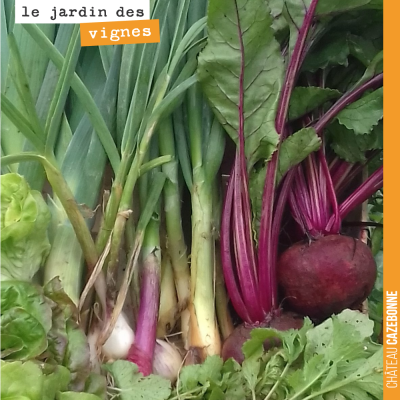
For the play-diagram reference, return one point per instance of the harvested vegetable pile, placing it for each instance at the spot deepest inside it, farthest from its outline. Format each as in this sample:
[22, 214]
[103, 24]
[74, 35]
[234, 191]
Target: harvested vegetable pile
[199, 218]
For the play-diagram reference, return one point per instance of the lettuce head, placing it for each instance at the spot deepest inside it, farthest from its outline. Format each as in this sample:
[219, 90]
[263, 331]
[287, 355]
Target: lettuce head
[25, 218]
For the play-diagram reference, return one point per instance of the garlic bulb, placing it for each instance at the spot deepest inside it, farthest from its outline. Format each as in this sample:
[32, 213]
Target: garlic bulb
[167, 360]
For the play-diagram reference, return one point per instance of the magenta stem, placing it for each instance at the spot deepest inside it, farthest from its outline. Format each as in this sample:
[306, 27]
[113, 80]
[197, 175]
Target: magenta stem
[362, 193]
[333, 226]
[241, 212]
[330, 182]
[244, 255]
[334, 165]
[341, 174]
[228, 264]
[293, 68]
[314, 187]
[266, 263]
[355, 170]
[142, 351]
[345, 100]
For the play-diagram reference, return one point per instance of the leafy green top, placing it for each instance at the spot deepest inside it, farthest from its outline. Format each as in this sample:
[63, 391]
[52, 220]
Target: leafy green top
[240, 35]
[334, 360]
[45, 355]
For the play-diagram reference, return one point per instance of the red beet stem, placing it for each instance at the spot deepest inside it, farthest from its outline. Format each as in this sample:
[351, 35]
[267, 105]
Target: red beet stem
[228, 263]
[293, 68]
[339, 176]
[345, 100]
[328, 181]
[362, 193]
[333, 225]
[243, 270]
[244, 249]
[315, 195]
[266, 252]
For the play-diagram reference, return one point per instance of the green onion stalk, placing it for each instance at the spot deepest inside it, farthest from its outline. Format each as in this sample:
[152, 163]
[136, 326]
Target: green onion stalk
[204, 333]
[200, 156]
[146, 246]
[224, 318]
[175, 243]
[123, 208]
[168, 310]
[221, 298]
[177, 288]
[154, 99]
[135, 93]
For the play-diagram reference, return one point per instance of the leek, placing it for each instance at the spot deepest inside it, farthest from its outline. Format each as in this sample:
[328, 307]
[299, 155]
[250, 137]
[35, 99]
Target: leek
[83, 169]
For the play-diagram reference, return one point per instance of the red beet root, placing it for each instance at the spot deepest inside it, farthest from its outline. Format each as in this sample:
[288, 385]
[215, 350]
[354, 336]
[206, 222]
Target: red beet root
[325, 277]
[232, 347]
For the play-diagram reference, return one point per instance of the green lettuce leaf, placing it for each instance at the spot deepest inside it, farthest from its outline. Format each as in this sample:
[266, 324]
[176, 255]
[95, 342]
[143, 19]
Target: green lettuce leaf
[56, 379]
[67, 343]
[29, 332]
[19, 208]
[33, 381]
[25, 317]
[28, 297]
[96, 384]
[10, 344]
[77, 357]
[24, 221]
[21, 380]
[40, 324]
[63, 309]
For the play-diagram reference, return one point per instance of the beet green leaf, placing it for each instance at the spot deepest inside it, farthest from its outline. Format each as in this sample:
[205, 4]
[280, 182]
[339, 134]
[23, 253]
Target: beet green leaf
[240, 37]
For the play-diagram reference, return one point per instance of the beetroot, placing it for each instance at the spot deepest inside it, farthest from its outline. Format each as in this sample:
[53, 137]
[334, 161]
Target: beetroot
[232, 347]
[326, 276]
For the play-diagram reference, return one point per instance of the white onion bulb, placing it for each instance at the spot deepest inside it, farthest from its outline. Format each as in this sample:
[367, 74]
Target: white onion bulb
[120, 341]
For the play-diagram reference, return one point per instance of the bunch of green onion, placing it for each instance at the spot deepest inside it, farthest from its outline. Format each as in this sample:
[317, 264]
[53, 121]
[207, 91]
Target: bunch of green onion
[113, 136]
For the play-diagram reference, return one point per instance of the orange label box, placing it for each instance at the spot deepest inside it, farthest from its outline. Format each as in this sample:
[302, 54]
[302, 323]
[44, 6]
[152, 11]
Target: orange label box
[391, 146]
[120, 32]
